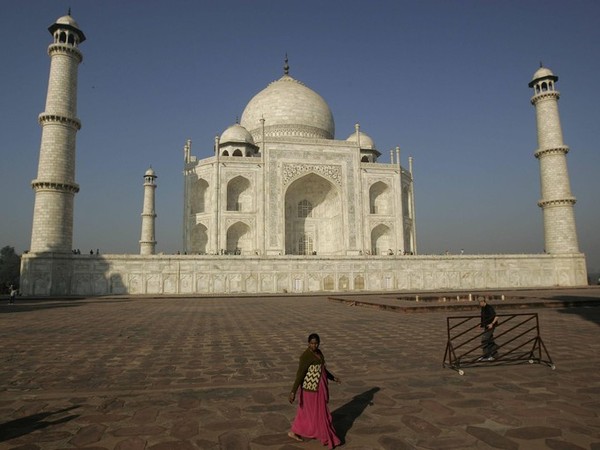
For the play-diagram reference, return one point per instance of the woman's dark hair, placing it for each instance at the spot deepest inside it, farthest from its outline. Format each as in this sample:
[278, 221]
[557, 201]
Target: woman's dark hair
[314, 336]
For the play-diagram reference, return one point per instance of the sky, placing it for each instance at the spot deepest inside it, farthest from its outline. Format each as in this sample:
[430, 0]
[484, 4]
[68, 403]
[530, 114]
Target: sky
[445, 80]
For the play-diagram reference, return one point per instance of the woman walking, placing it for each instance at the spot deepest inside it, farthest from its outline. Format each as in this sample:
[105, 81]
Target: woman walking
[313, 419]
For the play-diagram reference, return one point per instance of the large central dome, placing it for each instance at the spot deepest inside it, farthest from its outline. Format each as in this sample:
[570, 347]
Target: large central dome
[290, 109]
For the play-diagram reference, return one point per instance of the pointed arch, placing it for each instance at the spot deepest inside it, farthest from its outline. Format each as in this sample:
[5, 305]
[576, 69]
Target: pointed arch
[199, 196]
[381, 240]
[199, 239]
[380, 196]
[313, 213]
[239, 194]
[239, 239]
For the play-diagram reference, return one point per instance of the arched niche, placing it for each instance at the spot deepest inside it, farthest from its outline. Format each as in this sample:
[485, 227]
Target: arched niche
[380, 198]
[313, 210]
[239, 194]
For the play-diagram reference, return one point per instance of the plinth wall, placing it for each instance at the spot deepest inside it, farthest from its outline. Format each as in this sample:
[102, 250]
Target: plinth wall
[95, 275]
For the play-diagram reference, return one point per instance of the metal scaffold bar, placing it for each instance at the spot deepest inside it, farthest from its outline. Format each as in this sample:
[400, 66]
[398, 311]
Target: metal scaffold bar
[519, 341]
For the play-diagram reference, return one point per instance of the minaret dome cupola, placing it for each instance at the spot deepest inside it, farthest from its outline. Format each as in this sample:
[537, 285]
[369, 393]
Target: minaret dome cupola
[543, 80]
[66, 31]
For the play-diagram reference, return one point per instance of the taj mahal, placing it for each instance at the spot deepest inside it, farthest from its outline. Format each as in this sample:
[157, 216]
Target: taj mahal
[282, 205]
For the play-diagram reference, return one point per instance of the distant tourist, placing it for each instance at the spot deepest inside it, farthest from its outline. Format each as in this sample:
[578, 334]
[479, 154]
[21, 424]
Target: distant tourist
[13, 294]
[313, 419]
[489, 320]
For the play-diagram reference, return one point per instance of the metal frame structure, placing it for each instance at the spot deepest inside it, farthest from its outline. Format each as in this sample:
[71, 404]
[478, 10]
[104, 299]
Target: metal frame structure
[518, 342]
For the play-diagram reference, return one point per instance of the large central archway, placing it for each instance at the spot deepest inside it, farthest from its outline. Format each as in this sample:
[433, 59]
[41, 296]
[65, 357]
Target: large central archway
[313, 217]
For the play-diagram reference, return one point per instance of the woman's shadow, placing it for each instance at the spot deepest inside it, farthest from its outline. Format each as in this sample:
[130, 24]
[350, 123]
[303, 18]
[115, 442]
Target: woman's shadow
[345, 415]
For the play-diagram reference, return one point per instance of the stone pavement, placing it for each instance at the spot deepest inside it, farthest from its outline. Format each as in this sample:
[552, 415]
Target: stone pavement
[214, 373]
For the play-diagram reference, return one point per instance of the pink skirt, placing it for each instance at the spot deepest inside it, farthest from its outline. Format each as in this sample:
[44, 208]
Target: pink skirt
[313, 419]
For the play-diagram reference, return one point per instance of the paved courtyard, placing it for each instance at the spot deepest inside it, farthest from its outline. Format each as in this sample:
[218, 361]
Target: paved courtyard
[215, 373]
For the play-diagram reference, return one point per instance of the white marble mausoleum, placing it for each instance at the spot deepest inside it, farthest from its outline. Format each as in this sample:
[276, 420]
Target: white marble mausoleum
[282, 205]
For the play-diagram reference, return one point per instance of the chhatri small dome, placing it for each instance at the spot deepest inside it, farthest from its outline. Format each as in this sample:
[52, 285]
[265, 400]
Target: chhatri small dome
[69, 23]
[365, 140]
[67, 20]
[150, 173]
[289, 109]
[236, 133]
[542, 73]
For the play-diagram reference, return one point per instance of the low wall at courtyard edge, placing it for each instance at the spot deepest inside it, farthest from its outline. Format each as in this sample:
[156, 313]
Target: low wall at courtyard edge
[96, 275]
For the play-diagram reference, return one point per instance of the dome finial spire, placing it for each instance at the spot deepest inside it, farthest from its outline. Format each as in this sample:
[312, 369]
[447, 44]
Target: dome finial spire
[286, 66]
[69, 12]
[541, 65]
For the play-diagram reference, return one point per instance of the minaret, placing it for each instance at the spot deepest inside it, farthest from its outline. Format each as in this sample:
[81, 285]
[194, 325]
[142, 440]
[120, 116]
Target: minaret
[147, 241]
[560, 234]
[55, 186]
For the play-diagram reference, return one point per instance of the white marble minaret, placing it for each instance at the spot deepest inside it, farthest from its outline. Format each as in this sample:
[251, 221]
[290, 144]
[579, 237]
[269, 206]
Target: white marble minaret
[560, 234]
[148, 241]
[55, 186]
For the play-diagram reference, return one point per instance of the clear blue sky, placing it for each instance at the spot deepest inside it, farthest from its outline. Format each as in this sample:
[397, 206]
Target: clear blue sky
[445, 80]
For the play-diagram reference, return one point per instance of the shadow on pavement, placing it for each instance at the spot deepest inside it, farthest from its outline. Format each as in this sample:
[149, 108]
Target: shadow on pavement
[591, 314]
[345, 415]
[25, 425]
[39, 305]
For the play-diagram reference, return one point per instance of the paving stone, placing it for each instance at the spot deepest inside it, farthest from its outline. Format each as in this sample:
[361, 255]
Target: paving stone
[468, 403]
[276, 422]
[102, 418]
[458, 420]
[142, 430]
[414, 395]
[145, 416]
[377, 430]
[531, 433]
[234, 440]
[556, 444]
[435, 408]
[134, 443]
[88, 435]
[184, 429]
[511, 387]
[574, 426]
[173, 445]
[447, 443]
[492, 438]
[420, 425]
[393, 443]
[272, 439]
[501, 417]
[206, 444]
[230, 424]
[264, 397]
[26, 447]
[574, 409]
[50, 436]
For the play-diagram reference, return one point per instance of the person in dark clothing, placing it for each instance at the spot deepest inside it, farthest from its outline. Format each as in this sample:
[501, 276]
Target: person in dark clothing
[13, 294]
[489, 319]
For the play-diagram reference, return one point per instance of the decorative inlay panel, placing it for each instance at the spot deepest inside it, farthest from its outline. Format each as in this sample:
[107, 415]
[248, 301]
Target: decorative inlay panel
[294, 171]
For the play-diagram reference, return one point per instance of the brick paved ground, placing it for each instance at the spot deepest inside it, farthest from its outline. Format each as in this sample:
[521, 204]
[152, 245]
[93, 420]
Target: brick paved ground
[214, 373]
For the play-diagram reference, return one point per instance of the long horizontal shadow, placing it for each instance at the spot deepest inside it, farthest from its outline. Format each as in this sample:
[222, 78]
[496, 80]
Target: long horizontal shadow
[345, 416]
[25, 425]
